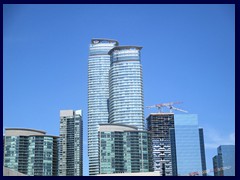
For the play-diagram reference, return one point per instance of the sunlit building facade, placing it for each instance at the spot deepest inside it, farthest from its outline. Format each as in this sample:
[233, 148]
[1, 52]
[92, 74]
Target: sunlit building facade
[124, 149]
[71, 143]
[10, 172]
[31, 152]
[98, 95]
[159, 124]
[224, 161]
[126, 87]
[189, 150]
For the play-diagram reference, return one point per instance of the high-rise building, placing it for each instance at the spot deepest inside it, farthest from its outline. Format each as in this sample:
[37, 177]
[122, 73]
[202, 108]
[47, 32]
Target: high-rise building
[71, 143]
[115, 95]
[124, 149]
[188, 146]
[215, 166]
[159, 124]
[224, 161]
[98, 95]
[202, 149]
[31, 152]
[126, 87]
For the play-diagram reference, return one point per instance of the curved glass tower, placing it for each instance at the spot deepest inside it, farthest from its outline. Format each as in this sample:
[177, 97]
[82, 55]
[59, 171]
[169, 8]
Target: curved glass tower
[126, 87]
[98, 94]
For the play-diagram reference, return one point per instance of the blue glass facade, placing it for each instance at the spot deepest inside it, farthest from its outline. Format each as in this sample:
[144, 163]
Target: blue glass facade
[126, 87]
[98, 95]
[188, 151]
[224, 162]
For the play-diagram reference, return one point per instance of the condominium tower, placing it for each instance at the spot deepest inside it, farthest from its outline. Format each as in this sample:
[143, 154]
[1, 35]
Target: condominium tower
[159, 124]
[31, 152]
[71, 146]
[98, 95]
[126, 87]
[124, 149]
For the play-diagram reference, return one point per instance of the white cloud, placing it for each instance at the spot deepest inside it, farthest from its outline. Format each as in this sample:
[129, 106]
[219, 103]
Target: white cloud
[213, 139]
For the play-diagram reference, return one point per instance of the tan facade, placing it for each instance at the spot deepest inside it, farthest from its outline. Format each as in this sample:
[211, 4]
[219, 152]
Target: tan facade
[132, 174]
[22, 132]
[116, 127]
[9, 172]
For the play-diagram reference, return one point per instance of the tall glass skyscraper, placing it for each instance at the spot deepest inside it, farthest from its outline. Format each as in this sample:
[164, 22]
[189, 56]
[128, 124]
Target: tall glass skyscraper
[98, 95]
[189, 151]
[224, 161]
[71, 143]
[126, 86]
[31, 152]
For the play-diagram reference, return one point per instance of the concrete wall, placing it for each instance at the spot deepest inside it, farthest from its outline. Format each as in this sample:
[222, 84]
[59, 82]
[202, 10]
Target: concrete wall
[66, 113]
[22, 132]
[116, 127]
[132, 174]
[9, 172]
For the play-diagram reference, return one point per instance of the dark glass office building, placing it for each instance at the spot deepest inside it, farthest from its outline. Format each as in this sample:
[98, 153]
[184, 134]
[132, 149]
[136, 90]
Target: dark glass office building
[202, 149]
[215, 166]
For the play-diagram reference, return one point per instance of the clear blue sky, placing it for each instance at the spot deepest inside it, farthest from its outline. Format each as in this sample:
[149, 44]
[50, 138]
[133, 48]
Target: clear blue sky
[188, 55]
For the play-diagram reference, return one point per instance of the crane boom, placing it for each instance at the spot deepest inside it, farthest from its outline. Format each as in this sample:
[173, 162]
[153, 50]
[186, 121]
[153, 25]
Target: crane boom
[168, 105]
[178, 109]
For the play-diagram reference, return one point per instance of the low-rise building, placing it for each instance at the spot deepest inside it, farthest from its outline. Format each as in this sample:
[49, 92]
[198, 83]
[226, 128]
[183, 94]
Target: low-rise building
[31, 152]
